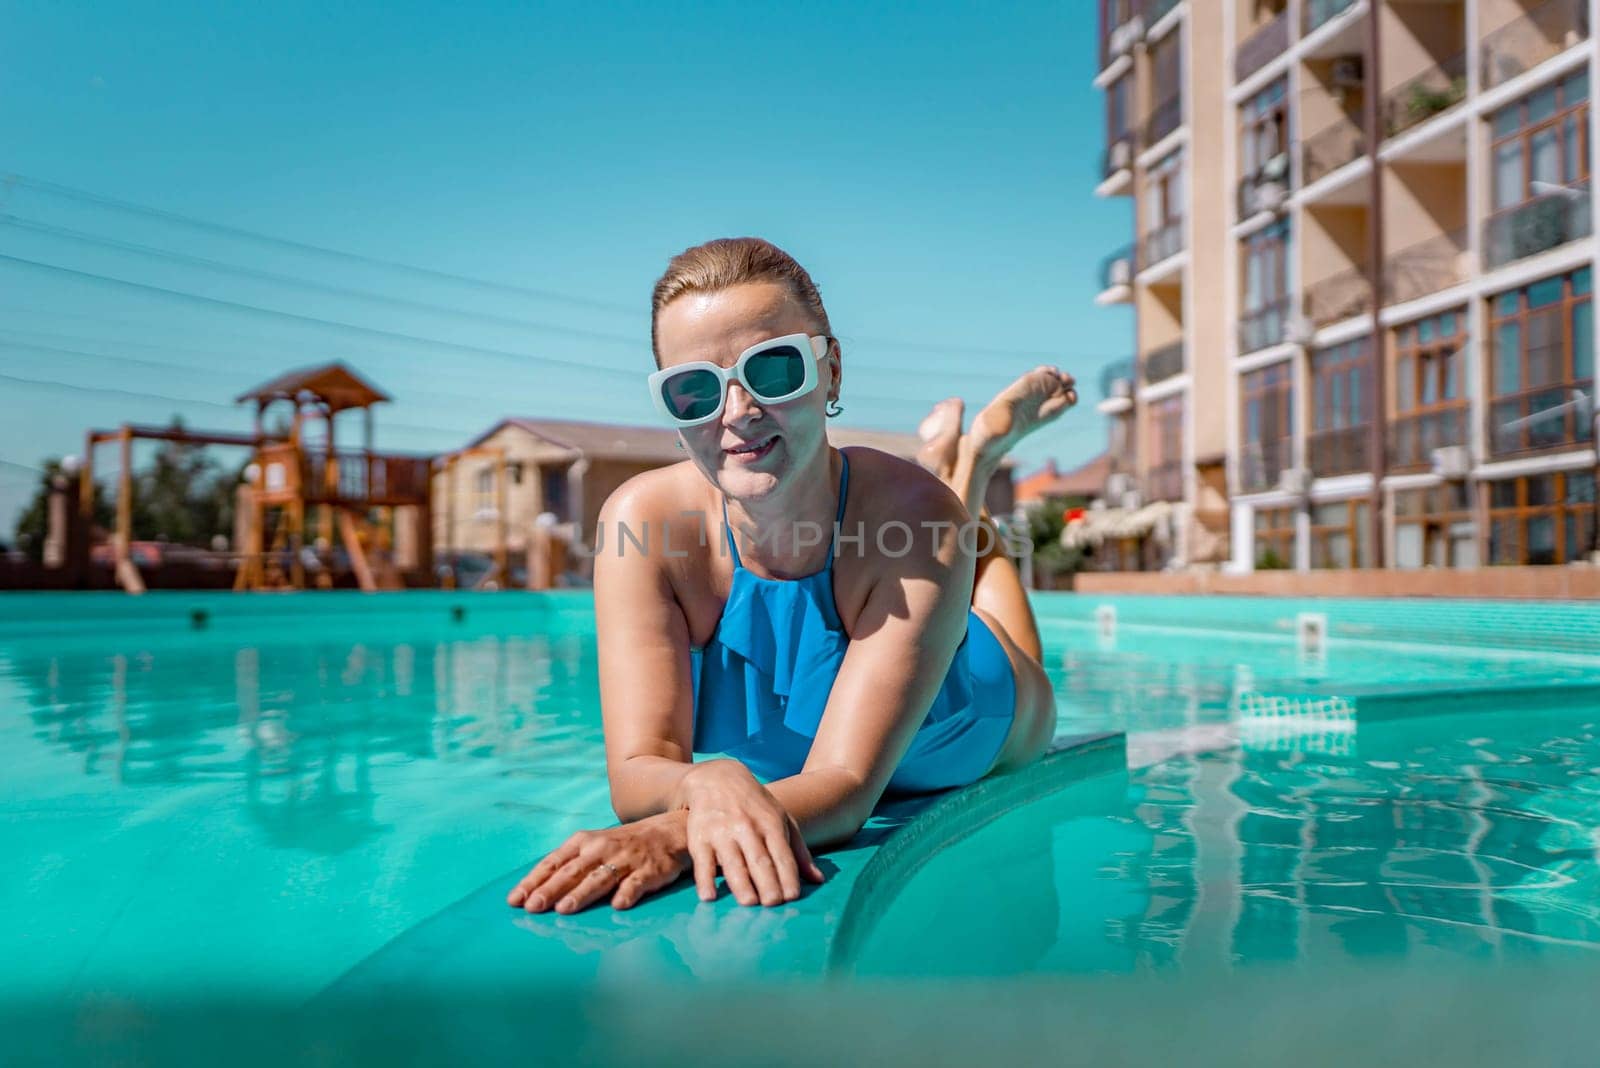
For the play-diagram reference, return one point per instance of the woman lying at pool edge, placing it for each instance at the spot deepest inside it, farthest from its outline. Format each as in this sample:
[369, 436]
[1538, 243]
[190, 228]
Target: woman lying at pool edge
[835, 675]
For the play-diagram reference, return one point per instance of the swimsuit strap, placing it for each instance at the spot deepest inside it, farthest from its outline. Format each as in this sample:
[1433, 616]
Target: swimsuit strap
[844, 487]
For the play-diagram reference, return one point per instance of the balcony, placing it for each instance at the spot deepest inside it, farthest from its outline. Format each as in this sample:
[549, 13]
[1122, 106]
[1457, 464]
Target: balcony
[1164, 482]
[1117, 41]
[1339, 296]
[1548, 30]
[1167, 117]
[1542, 418]
[1334, 146]
[1317, 12]
[1163, 363]
[1553, 218]
[1263, 327]
[1412, 438]
[1265, 190]
[1345, 451]
[1119, 155]
[1161, 244]
[1415, 101]
[1426, 267]
[1114, 373]
[1116, 277]
[1262, 462]
[1261, 47]
[365, 478]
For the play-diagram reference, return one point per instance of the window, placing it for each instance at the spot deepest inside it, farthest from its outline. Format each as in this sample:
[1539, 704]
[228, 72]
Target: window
[1166, 449]
[1266, 287]
[1542, 519]
[1265, 131]
[1163, 209]
[1541, 363]
[1428, 397]
[1433, 527]
[1166, 89]
[1539, 170]
[1341, 536]
[1274, 541]
[1119, 106]
[1340, 403]
[553, 487]
[1267, 407]
[483, 489]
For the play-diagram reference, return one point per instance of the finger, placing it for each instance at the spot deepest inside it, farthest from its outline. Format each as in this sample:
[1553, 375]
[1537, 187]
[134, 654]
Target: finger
[705, 867]
[541, 871]
[802, 854]
[638, 884]
[763, 871]
[783, 859]
[591, 888]
[561, 881]
[735, 872]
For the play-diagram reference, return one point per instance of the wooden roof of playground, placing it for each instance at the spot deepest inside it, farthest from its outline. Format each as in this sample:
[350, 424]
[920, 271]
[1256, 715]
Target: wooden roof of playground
[334, 384]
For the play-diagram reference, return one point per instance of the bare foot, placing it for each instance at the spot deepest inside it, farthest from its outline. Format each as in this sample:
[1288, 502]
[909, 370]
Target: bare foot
[940, 432]
[1027, 404]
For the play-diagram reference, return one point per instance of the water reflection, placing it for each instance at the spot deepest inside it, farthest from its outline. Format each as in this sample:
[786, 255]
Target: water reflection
[307, 728]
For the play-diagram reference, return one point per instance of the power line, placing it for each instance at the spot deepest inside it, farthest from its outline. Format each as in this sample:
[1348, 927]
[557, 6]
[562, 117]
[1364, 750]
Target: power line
[69, 193]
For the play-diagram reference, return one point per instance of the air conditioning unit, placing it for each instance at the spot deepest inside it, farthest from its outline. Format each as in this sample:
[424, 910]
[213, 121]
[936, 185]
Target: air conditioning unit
[1452, 462]
[1299, 331]
[1268, 196]
[1295, 481]
[1347, 73]
[1121, 155]
[1122, 388]
[1124, 37]
[1120, 274]
[1118, 486]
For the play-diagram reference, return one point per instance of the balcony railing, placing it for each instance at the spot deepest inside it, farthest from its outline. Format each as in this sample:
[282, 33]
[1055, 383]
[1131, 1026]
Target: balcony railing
[1437, 89]
[1118, 40]
[1537, 225]
[1426, 267]
[1121, 371]
[1164, 482]
[1412, 438]
[366, 478]
[1164, 119]
[1344, 451]
[1119, 154]
[1331, 148]
[1263, 327]
[1547, 30]
[1117, 269]
[1260, 47]
[1542, 418]
[1319, 11]
[1261, 462]
[1161, 243]
[1161, 364]
[1338, 296]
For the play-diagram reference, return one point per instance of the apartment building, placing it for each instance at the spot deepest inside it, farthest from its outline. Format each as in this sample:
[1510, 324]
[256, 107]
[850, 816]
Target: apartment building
[1362, 279]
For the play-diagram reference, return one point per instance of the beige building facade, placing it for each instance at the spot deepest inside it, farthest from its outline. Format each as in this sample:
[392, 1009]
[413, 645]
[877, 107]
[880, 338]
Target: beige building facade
[1362, 278]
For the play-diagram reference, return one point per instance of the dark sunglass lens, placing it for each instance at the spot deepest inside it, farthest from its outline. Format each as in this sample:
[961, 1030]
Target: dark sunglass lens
[776, 372]
[693, 394]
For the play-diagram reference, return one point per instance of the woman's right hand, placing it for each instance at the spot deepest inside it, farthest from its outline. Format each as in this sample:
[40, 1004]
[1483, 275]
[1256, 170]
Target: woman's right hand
[735, 824]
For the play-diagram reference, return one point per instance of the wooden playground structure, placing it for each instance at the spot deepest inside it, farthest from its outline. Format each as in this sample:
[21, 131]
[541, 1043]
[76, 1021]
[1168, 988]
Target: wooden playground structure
[375, 507]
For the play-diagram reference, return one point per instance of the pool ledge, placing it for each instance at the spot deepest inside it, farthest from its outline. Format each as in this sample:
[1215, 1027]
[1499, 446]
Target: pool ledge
[480, 941]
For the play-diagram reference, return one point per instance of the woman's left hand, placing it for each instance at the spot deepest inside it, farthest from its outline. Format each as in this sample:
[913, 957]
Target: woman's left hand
[626, 862]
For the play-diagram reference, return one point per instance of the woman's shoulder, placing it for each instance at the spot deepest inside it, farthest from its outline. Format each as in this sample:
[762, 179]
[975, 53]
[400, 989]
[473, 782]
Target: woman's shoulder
[655, 494]
[884, 487]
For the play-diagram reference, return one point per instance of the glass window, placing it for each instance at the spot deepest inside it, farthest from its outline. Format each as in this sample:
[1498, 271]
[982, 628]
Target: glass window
[1508, 358]
[1545, 291]
[1508, 175]
[1541, 490]
[1582, 281]
[1583, 340]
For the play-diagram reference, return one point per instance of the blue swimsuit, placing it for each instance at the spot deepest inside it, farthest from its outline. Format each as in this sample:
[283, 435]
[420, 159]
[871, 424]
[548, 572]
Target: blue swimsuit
[762, 681]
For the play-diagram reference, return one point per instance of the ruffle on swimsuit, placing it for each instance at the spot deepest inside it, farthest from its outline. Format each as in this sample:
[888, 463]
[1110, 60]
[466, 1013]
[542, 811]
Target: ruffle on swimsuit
[762, 682]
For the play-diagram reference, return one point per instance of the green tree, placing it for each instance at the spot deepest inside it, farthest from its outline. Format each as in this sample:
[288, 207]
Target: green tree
[1045, 525]
[184, 496]
[33, 525]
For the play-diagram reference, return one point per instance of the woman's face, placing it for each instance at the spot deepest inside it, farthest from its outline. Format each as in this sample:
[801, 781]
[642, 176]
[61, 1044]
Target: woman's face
[718, 327]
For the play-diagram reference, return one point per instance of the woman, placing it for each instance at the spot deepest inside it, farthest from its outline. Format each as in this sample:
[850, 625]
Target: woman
[900, 654]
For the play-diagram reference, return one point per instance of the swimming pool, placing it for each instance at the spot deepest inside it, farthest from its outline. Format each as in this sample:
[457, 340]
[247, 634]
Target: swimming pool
[279, 796]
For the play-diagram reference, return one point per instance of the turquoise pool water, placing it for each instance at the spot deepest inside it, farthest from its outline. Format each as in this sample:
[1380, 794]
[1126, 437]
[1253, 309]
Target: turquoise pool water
[207, 792]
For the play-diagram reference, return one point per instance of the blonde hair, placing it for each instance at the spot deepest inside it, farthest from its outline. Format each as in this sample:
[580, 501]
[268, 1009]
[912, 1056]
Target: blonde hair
[731, 261]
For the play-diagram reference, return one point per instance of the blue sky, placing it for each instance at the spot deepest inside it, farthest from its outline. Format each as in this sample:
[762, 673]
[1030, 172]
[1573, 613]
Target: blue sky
[931, 164]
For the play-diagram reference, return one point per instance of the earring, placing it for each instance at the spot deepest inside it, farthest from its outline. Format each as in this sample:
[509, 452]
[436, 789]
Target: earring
[834, 408]
[679, 444]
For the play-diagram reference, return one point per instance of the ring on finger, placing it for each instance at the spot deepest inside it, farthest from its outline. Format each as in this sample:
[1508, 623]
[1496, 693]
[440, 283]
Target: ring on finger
[612, 868]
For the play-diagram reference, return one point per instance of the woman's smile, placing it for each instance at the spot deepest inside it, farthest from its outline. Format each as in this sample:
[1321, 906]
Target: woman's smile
[750, 452]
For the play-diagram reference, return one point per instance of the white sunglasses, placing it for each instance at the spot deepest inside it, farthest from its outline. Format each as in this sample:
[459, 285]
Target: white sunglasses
[772, 372]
